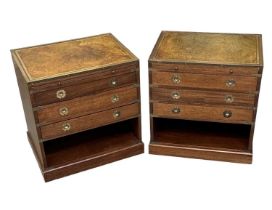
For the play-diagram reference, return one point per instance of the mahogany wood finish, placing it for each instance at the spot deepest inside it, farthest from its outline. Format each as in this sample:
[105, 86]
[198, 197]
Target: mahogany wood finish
[86, 122]
[83, 88]
[204, 90]
[82, 103]
[203, 112]
[91, 148]
[207, 68]
[202, 96]
[189, 80]
[87, 105]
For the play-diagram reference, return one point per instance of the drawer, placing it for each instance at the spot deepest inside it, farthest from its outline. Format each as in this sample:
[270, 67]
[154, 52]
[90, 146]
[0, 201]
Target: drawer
[199, 96]
[86, 122]
[83, 77]
[209, 113]
[206, 68]
[81, 89]
[87, 104]
[219, 82]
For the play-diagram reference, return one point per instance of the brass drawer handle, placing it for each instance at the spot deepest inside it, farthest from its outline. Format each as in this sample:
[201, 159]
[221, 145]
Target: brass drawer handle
[176, 110]
[61, 94]
[227, 114]
[63, 111]
[114, 98]
[230, 83]
[176, 79]
[66, 127]
[175, 95]
[116, 114]
[229, 99]
[113, 82]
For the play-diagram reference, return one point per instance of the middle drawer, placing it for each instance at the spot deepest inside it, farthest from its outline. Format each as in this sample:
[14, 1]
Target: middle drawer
[178, 95]
[86, 105]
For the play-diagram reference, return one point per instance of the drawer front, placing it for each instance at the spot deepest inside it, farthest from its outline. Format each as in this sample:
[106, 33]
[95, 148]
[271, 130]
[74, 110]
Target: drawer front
[199, 96]
[210, 113]
[73, 91]
[228, 83]
[89, 121]
[206, 69]
[84, 77]
[87, 104]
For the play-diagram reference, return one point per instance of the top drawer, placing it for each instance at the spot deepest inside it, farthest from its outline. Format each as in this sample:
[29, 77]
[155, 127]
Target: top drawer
[205, 81]
[206, 69]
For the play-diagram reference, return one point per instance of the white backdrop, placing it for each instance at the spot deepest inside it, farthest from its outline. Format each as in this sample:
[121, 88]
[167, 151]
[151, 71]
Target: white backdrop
[144, 181]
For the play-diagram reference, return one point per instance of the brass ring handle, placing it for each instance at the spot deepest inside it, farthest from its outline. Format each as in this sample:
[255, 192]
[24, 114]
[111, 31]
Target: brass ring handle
[114, 82]
[175, 95]
[114, 98]
[116, 114]
[66, 127]
[227, 114]
[176, 79]
[176, 110]
[60, 94]
[229, 99]
[230, 83]
[63, 111]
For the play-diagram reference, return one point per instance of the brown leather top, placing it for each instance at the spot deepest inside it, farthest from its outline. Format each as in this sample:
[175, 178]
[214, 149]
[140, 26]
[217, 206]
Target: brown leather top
[57, 59]
[212, 48]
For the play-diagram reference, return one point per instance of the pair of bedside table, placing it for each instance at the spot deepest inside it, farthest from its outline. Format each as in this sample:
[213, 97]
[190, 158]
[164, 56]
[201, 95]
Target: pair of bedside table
[82, 101]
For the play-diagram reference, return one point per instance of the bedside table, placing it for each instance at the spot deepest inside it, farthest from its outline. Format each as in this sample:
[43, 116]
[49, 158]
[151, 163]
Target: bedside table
[81, 100]
[204, 90]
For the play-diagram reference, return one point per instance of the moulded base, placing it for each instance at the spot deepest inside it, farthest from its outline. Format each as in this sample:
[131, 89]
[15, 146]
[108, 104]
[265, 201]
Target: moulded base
[201, 153]
[200, 139]
[92, 162]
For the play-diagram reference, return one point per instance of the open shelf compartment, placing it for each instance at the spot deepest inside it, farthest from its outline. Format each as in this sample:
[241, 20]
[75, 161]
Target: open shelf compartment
[200, 139]
[92, 148]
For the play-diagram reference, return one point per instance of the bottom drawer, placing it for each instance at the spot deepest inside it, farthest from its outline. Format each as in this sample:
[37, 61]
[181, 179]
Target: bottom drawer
[86, 122]
[209, 113]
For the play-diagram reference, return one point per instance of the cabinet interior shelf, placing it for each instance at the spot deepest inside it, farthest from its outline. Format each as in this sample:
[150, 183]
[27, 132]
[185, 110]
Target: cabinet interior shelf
[200, 134]
[91, 143]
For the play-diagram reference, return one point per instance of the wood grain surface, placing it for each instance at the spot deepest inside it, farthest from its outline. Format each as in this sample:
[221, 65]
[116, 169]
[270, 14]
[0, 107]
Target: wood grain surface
[216, 69]
[209, 113]
[206, 81]
[87, 105]
[84, 88]
[202, 97]
[91, 121]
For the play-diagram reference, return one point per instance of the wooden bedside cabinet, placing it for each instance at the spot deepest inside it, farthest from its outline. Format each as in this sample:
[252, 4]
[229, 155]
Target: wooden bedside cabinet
[81, 100]
[204, 90]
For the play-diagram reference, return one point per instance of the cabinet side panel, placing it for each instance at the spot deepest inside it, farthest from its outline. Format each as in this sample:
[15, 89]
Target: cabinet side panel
[255, 111]
[150, 104]
[138, 123]
[29, 116]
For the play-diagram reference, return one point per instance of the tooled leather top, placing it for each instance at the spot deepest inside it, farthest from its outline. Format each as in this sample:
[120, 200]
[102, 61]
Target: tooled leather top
[212, 48]
[51, 60]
